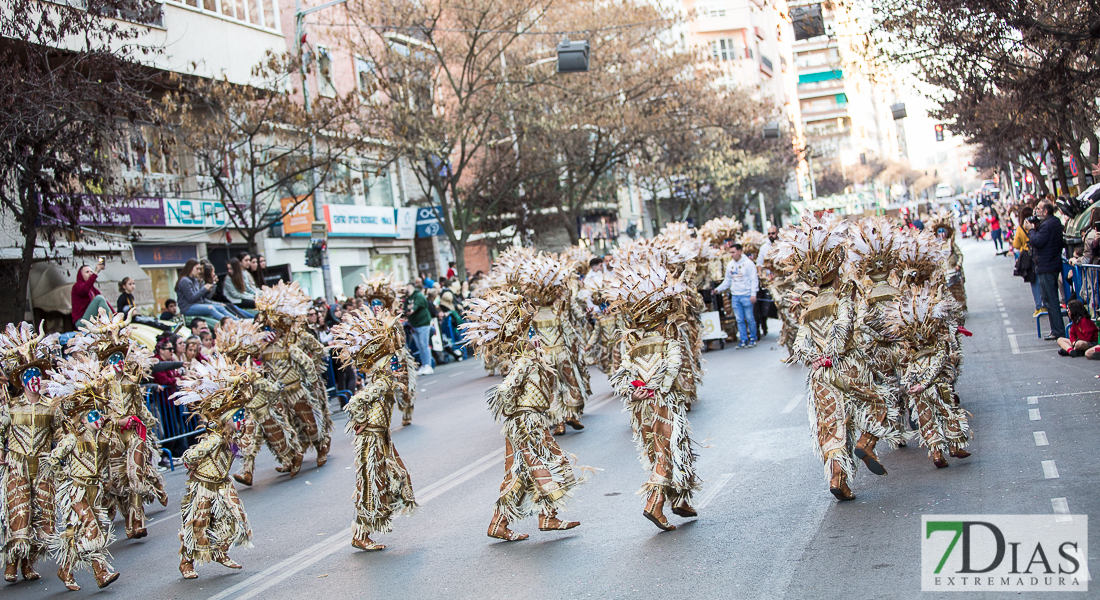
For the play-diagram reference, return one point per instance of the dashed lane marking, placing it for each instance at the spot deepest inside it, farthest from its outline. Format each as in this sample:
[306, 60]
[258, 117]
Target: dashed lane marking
[1032, 399]
[1033, 414]
[1061, 509]
[1009, 330]
[1060, 395]
[714, 490]
[1041, 438]
[1007, 322]
[1013, 343]
[793, 403]
[1050, 470]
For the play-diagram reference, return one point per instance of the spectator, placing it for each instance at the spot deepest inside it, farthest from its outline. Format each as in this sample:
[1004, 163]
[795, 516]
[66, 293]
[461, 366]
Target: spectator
[995, 230]
[192, 349]
[239, 290]
[194, 294]
[86, 298]
[260, 273]
[1047, 242]
[1082, 331]
[171, 311]
[179, 345]
[313, 322]
[1027, 265]
[420, 320]
[198, 325]
[223, 321]
[742, 284]
[207, 340]
[451, 272]
[126, 294]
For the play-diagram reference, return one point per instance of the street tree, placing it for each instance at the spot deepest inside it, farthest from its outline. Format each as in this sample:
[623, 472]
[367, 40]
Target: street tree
[70, 81]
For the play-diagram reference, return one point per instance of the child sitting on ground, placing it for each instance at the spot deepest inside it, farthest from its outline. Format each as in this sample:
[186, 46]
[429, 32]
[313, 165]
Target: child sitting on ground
[1082, 332]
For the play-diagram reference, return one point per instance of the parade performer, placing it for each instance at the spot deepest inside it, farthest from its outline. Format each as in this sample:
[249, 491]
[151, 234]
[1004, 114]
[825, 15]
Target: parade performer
[576, 260]
[504, 276]
[28, 426]
[840, 372]
[537, 474]
[603, 341]
[383, 488]
[543, 280]
[79, 388]
[944, 228]
[134, 478]
[380, 293]
[922, 319]
[280, 307]
[649, 379]
[873, 258]
[240, 341]
[213, 518]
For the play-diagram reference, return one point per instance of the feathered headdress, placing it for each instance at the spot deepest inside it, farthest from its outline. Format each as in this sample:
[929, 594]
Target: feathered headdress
[216, 388]
[872, 247]
[751, 241]
[103, 335]
[239, 338]
[815, 249]
[496, 322]
[281, 305]
[78, 384]
[648, 293]
[918, 315]
[942, 221]
[921, 255]
[508, 268]
[380, 292]
[678, 230]
[21, 347]
[576, 259]
[716, 231]
[542, 279]
[362, 339]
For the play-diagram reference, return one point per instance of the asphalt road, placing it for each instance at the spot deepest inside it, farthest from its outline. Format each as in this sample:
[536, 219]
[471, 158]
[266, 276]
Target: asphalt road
[768, 527]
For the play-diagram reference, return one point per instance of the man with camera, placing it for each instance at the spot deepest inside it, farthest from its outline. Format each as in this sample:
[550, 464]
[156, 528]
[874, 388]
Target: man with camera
[1044, 232]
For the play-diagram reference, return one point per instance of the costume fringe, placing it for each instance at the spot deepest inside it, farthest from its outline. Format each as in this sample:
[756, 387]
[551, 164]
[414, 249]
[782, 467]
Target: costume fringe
[523, 493]
[69, 545]
[383, 488]
[228, 524]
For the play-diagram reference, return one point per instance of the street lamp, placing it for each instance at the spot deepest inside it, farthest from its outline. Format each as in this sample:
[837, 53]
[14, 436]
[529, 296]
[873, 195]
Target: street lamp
[318, 194]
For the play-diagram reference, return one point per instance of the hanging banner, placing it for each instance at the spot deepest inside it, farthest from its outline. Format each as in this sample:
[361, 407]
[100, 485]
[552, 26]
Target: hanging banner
[360, 221]
[406, 223]
[300, 218]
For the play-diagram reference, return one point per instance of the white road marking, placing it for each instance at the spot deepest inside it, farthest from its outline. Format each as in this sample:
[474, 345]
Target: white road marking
[1041, 438]
[1004, 315]
[1009, 330]
[1066, 394]
[1032, 399]
[1033, 414]
[793, 404]
[162, 519]
[1012, 342]
[1032, 352]
[1061, 508]
[1007, 322]
[256, 584]
[712, 493]
[453, 375]
[1050, 471]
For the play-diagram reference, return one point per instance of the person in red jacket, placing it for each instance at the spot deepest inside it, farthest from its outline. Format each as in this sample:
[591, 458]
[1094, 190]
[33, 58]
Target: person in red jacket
[86, 298]
[1082, 331]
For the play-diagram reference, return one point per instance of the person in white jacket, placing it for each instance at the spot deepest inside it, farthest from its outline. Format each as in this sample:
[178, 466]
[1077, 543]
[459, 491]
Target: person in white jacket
[742, 283]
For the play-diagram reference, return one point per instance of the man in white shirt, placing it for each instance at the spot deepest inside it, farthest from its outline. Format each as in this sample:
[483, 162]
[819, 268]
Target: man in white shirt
[773, 235]
[742, 284]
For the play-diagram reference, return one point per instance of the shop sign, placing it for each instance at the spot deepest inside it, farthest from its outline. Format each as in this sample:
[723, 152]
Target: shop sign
[406, 223]
[166, 254]
[300, 218]
[180, 212]
[427, 221]
[360, 221]
[123, 212]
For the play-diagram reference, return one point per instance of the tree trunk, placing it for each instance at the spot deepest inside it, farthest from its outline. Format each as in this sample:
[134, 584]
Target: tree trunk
[17, 279]
[1060, 164]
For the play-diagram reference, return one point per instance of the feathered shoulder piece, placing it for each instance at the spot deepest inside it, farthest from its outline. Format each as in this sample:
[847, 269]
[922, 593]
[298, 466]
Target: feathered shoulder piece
[677, 231]
[716, 231]
[380, 291]
[104, 335]
[648, 293]
[239, 338]
[633, 251]
[283, 298]
[495, 323]
[751, 241]
[508, 269]
[815, 248]
[918, 315]
[921, 255]
[542, 279]
[942, 221]
[362, 338]
[21, 347]
[78, 384]
[215, 388]
[874, 246]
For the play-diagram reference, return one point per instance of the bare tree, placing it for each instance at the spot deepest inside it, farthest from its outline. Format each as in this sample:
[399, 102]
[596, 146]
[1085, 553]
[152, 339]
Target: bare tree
[69, 82]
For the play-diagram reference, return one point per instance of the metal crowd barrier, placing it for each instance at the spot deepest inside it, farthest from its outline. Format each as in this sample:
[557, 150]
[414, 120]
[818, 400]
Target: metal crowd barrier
[1087, 283]
[174, 423]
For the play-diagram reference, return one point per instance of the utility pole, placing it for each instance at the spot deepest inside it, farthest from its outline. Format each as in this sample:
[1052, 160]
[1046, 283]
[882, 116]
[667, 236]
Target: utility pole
[318, 193]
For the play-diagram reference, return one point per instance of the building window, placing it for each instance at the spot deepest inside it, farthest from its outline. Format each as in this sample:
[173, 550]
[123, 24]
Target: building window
[710, 11]
[261, 13]
[377, 188]
[725, 49]
[149, 151]
[364, 74]
[324, 73]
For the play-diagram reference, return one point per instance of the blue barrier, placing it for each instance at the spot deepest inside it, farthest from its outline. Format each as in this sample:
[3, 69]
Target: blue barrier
[174, 423]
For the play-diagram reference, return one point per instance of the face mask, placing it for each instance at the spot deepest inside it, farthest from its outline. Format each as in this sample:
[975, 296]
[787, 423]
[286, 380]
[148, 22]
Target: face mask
[94, 419]
[395, 364]
[32, 380]
[116, 361]
[239, 419]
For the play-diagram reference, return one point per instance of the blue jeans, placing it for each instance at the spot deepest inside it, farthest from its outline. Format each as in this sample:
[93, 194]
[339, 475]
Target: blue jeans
[1048, 287]
[423, 338]
[211, 311]
[1036, 294]
[997, 243]
[746, 322]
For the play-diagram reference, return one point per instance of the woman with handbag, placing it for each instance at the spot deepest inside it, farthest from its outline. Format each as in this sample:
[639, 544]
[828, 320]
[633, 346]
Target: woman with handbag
[1025, 266]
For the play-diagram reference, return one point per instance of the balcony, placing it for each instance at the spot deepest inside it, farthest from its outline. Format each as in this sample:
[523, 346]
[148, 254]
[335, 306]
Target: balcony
[835, 111]
[765, 65]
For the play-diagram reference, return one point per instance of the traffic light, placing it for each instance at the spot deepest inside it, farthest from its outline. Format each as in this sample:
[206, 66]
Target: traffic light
[939, 132]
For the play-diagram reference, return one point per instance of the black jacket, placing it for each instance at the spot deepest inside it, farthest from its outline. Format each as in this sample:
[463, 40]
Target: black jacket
[1046, 245]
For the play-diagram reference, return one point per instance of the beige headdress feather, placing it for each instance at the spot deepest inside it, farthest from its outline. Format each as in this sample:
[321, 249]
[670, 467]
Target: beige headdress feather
[239, 338]
[648, 293]
[494, 324]
[216, 388]
[362, 338]
[716, 231]
[815, 248]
